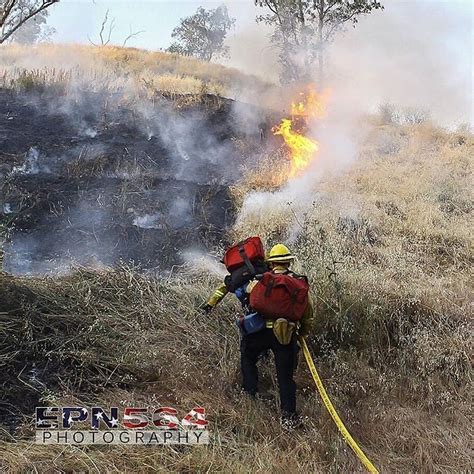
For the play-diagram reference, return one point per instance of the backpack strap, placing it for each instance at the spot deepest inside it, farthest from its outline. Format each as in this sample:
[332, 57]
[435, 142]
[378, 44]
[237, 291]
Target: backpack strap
[269, 287]
[298, 276]
[246, 260]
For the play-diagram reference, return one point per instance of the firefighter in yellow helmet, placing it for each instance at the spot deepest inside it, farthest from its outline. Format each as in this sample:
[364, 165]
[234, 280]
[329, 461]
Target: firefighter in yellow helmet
[280, 253]
[279, 260]
[281, 340]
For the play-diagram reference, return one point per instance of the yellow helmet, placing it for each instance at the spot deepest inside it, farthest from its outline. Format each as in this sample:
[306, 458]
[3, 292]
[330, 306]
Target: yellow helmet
[280, 253]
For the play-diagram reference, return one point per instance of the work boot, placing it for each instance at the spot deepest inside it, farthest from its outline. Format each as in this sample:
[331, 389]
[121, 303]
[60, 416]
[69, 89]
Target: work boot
[290, 421]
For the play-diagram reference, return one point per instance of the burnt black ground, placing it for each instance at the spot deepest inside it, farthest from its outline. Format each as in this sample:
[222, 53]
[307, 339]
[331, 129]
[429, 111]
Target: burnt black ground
[99, 179]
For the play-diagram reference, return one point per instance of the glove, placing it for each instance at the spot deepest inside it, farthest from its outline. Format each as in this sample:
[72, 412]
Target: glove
[206, 308]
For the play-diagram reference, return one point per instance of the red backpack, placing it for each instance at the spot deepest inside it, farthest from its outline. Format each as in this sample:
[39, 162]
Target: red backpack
[244, 253]
[280, 295]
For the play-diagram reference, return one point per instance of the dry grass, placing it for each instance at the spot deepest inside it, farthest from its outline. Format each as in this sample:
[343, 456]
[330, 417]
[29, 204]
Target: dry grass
[111, 67]
[388, 249]
[269, 175]
[184, 358]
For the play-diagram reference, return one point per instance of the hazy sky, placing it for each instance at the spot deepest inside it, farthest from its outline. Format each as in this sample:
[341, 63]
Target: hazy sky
[419, 48]
[77, 20]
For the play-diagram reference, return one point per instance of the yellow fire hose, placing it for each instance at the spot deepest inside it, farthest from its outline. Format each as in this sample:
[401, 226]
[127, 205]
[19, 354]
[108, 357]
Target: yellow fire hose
[332, 411]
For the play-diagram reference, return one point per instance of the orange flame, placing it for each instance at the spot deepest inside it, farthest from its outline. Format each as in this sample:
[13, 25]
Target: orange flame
[310, 106]
[302, 148]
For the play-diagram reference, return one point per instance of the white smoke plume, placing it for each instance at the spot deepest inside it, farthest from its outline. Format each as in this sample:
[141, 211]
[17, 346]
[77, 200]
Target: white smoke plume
[200, 263]
[416, 56]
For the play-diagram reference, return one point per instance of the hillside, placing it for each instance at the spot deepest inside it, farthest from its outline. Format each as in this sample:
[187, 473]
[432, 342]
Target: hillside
[97, 66]
[106, 182]
[119, 155]
[386, 243]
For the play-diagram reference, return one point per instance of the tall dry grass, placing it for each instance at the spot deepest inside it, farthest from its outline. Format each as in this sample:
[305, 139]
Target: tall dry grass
[27, 67]
[393, 341]
[123, 338]
[388, 249]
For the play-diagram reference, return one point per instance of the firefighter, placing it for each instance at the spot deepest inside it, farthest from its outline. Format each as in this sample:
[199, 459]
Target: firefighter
[280, 338]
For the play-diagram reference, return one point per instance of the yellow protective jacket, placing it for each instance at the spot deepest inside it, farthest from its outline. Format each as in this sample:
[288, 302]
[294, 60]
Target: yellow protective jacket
[307, 322]
[218, 295]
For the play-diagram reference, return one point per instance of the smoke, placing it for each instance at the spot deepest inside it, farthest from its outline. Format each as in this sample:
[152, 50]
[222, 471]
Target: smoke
[339, 135]
[200, 263]
[414, 55]
[30, 165]
[149, 221]
[130, 176]
[252, 52]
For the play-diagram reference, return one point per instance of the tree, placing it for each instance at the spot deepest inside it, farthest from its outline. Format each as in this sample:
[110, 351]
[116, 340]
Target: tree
[34, 30]
[302, 29]
[106, 29]
[15, 13]
[202, 35]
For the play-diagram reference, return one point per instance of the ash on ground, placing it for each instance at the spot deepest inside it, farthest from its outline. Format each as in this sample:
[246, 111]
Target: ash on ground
[100, 180]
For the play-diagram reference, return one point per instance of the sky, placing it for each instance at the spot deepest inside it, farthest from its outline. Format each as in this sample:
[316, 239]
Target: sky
[426, 44]
[79, 20]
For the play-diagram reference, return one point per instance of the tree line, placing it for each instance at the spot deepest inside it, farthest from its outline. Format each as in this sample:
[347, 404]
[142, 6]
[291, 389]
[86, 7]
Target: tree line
[301, 29]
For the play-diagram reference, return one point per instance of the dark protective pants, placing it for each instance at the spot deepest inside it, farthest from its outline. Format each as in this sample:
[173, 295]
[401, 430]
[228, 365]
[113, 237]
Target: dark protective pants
[251, 346]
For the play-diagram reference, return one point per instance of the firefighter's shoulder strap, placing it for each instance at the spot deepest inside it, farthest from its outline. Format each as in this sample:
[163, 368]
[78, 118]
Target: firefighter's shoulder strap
[245, 258]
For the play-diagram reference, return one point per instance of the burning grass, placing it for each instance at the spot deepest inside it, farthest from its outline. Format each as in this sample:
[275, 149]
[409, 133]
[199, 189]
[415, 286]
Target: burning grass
[393, 340]
[302, 148]
[388, 249]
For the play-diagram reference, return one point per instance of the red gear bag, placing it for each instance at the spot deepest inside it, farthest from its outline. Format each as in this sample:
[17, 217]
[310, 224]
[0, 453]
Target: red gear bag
[280, 295]
[246, 251]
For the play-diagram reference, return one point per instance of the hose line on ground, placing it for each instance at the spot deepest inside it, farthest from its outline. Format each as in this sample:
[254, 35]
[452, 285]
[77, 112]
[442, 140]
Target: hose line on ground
[332, 411]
